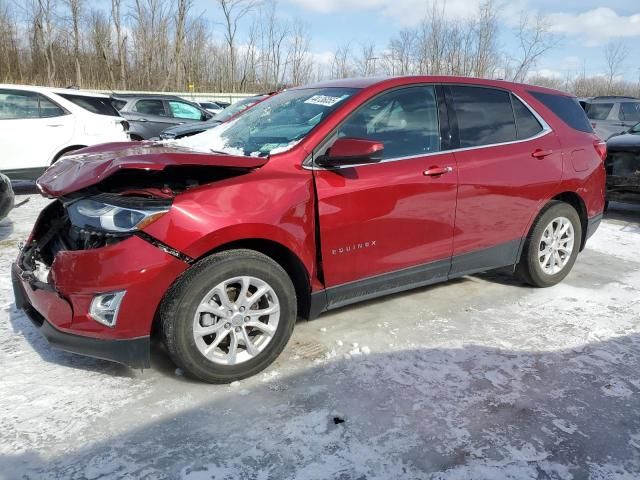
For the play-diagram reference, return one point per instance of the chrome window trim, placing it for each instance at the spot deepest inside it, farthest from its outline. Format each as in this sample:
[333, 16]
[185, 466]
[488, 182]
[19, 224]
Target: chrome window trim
[307, 164]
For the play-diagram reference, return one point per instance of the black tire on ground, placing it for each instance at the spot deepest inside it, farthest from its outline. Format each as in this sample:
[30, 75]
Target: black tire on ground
[529, 269]
[179, 306]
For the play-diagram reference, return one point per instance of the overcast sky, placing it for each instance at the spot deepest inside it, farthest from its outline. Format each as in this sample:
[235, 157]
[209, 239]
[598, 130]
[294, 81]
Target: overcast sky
[583, 26]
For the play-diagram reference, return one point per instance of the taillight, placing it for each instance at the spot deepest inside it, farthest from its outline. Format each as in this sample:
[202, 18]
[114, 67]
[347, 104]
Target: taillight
[601, 149]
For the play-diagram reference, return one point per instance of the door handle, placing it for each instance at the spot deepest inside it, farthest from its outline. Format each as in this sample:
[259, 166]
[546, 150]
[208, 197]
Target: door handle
[142, 120]
[54, 124]
[437, 171]
[538, 153]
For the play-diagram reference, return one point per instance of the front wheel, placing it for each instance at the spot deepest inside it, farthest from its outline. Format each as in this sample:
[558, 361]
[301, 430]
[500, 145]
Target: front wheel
[229, 316]
[552, 246]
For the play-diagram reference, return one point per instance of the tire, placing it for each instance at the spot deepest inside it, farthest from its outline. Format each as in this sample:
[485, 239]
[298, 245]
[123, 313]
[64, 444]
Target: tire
[221, 278]
[532, 268]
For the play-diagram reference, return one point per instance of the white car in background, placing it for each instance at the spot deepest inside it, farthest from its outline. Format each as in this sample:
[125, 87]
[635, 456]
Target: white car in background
[38, 125]
[213, 107]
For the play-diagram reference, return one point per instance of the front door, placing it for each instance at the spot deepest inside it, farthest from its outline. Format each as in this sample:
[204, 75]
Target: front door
[394, 217]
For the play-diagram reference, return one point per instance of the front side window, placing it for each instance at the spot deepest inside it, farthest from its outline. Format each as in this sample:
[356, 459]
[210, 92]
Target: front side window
[484, 116]
[16, 104]
[184, 110]
[272, 126]
[150, 107]
[630, 111]
[404, 120]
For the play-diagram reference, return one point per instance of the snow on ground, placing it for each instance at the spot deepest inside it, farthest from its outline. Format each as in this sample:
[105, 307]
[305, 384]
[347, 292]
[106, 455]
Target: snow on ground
[479, 378]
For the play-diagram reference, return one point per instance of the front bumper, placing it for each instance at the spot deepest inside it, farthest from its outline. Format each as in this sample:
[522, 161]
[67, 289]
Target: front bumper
[60, 306]
[132, 352]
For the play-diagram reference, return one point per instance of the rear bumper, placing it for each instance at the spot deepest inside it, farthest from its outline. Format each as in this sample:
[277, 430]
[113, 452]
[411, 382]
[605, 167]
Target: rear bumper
[132, 352]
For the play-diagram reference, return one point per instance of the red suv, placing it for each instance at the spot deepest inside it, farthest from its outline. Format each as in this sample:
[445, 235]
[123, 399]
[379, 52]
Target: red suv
[316, 198]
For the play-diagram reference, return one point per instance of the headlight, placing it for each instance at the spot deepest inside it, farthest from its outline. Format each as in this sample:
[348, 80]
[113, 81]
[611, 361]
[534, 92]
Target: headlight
[114, 218]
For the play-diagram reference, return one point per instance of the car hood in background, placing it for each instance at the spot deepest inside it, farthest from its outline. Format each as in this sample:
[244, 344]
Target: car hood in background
[90, 166]
[624, 142]
[180, 130]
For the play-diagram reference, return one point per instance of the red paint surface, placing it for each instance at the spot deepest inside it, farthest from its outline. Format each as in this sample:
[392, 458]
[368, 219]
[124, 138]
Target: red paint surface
[373, 218]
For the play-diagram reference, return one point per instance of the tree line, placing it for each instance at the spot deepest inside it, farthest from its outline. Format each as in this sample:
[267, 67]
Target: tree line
[167, 45]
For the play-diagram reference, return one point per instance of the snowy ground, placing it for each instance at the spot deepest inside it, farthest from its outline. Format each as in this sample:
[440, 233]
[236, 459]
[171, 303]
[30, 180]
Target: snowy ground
[480, 378]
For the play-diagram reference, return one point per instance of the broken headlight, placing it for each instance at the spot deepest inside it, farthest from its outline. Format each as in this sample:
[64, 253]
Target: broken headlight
[96, 214]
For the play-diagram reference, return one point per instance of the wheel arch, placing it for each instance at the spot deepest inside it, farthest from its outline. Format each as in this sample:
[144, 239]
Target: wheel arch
[576, 201]
[284, 257]
[65, 150]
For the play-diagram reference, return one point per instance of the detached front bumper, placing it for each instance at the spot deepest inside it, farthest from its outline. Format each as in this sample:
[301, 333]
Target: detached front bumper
[132, 352]
[60, 306]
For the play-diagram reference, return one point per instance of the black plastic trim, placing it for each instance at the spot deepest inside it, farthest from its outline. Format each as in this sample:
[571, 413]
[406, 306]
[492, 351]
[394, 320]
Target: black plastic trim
[165, 248]
[499, 256]
[489, 258]
[593, 224]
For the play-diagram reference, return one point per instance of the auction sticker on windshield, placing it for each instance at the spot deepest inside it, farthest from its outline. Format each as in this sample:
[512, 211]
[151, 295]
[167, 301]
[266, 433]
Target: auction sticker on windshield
[325, 100]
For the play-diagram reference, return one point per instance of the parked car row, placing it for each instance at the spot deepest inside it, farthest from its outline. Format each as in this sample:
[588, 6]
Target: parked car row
[310, 200]
[39, 125]
[611, 115]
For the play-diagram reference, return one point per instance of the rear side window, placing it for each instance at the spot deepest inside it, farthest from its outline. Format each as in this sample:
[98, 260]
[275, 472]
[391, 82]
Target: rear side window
[150, 107]
[484, 115]
[99, 105]
[630, 111]
[566, 109]
[599, 111]
[526, 123]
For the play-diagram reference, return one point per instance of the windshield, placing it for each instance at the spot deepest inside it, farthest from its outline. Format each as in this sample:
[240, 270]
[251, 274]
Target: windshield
[237, 107]
[272, 126]
[635, 129]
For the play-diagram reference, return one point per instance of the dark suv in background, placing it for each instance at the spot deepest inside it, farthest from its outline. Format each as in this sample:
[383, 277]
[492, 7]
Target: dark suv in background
[612, 114]
[148, 115]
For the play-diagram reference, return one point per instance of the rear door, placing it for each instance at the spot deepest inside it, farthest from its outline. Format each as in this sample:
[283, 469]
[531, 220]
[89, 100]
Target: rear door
[33, 128]
[149, 116]
[508, 161]
[391, 216]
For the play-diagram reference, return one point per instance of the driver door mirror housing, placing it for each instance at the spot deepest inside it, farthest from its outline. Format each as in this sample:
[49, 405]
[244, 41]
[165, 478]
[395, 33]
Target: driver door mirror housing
[351, 151]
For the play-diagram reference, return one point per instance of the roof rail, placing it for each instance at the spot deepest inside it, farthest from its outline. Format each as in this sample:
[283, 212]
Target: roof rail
[607, 97]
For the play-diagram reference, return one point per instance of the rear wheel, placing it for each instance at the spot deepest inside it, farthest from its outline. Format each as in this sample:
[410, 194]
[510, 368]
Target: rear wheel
[552, 246]
[229, 316]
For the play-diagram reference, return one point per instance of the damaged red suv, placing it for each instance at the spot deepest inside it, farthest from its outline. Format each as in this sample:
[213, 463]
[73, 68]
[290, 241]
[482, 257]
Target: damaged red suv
[316, 198]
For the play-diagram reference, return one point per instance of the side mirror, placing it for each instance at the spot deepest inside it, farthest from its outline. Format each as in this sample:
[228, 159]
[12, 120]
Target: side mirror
[351, 151]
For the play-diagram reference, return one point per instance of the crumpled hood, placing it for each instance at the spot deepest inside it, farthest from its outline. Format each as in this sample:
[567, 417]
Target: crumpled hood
[92, 165]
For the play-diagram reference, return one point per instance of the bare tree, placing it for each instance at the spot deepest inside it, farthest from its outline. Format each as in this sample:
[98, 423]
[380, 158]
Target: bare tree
[116, 18]
[535, 39]
[341, 64]
[299, 57]
[75, 9]
[486, 38]
[366, 61]
[233, 11]
[615, 54]
[182, 13]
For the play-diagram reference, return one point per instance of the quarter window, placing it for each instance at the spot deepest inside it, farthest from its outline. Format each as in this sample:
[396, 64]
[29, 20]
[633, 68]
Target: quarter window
[404, 120]
[527, 125]
[484, 116]
[566, 109]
